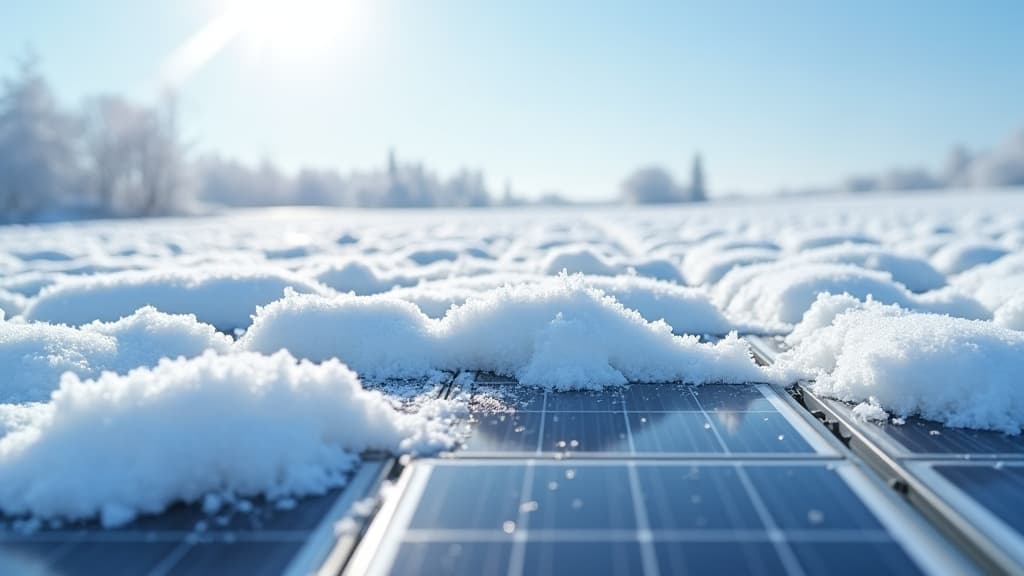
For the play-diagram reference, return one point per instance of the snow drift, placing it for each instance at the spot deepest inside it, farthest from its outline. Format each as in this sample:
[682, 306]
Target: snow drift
[224, 298]
[33, 356]
[243, 425]
[530, 332]
[960, 372]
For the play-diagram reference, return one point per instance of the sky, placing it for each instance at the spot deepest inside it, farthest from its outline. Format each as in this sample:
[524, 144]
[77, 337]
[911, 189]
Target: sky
[567, 96]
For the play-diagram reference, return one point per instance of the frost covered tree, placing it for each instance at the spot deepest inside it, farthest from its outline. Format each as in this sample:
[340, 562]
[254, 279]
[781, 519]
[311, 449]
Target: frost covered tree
[698, 192]
[37, 154]
[651, 185]
[135, 157]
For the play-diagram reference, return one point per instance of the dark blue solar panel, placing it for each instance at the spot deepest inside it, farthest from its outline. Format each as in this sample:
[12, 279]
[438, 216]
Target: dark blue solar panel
[249, 558]
[761, 432]
[113, 557]
[585, 432]
[810, 498]
[504, 432]
[853, 558]
[452, 558]
[662, 419]
[480, 498]
[660, 432]
[697, 497]
[660, 397]
[731, 398]
[581, 498]
[550, 517]
[998, 488]
[594, 557]
[925, 437]
[754, 558]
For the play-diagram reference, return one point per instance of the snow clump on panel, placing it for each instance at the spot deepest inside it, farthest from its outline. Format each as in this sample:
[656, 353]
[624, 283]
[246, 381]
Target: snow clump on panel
[34, 355]
[515, 331]
[245, 424]
[224, 298]
[963, 373]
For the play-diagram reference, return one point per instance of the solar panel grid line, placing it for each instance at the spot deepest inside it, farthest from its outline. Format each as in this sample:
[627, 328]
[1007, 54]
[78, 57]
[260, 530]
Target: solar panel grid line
[522, 525]
[777, 538]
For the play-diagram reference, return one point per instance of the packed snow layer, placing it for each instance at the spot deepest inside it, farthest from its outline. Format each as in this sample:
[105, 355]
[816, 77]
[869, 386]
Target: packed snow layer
[214, 426]
[528, 332]
[224, 298]
[960, 372]
[34, 355]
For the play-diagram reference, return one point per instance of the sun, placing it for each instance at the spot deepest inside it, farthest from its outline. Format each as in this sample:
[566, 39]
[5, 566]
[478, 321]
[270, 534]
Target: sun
[292, 28]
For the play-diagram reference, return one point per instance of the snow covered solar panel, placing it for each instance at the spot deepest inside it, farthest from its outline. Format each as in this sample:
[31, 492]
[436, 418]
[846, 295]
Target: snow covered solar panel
[639, 420]
[185, 540]
[641, 516]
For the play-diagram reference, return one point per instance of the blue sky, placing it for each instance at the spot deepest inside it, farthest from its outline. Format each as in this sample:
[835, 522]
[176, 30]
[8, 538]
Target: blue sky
[568, 95]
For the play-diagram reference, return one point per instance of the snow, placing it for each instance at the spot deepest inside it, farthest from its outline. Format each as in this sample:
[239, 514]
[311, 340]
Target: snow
[231, 426]
[34, 355]
[515, 331]
[960, 256]
[224, 298]
[963, 373]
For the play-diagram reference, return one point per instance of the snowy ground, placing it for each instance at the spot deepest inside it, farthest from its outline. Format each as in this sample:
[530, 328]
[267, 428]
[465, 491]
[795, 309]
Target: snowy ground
[925, 317]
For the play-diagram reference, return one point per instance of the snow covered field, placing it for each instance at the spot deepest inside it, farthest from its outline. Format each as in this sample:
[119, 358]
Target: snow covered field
[142, 362]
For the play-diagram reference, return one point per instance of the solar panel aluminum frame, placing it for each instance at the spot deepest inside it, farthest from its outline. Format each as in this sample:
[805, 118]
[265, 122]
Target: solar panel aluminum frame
[379, 548]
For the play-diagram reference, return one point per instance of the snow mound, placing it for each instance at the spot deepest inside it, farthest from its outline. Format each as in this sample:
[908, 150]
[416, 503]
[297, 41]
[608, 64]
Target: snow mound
[224, 298]
[516, 331]
[914, 273]
[780, 293]
[578, 259]
[687, 310]
[957, 257]
[12, 303]
[963, 373]
[1011, 313]
[709, 267]
[242, 425]
[33, 356]
[354, 276]
[659, 269]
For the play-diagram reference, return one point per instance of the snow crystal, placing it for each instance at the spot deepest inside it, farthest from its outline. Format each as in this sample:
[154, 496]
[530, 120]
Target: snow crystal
[124, 445]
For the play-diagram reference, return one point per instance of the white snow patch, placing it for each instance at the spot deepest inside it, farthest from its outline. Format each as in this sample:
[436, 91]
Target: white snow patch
[960, 372]
[246, 424]
[507, 331]
[34, 355]
[224, 298]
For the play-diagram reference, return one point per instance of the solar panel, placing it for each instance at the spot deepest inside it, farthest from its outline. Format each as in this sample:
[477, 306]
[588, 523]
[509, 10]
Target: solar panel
[969, 480]
[641, 516]
[184, 540]
[638, 420]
